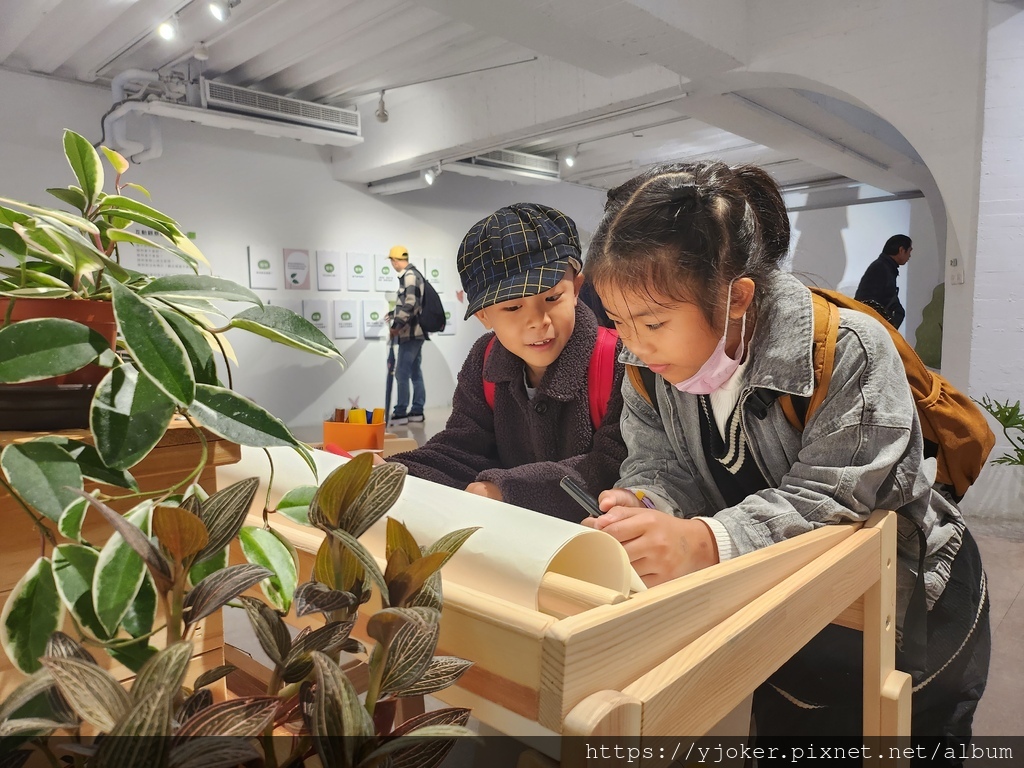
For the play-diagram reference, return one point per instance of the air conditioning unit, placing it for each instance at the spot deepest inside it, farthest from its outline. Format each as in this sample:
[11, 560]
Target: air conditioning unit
[228, 106]
[233, 98]
[508, 164]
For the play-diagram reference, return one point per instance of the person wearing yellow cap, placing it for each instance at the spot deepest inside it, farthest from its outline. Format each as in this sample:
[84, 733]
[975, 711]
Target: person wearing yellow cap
[406, 330]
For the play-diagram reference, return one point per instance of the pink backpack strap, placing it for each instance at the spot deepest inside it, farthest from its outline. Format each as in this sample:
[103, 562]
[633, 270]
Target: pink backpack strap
[488, 385]
[601, 374]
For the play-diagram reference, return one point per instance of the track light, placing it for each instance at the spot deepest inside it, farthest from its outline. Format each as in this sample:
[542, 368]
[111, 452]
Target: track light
[221, 9]
[569, 157]
[430, 174]
[168, 30]
[382, 112]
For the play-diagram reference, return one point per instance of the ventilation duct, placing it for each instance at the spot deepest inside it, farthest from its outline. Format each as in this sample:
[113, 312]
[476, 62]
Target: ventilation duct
[508, 165]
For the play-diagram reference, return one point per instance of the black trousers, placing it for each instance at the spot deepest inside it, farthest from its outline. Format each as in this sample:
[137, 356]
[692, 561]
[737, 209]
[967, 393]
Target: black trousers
[818, 693]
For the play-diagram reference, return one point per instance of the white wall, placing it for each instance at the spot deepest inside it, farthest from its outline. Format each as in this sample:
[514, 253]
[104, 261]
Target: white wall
[235, 189]
[831, 247]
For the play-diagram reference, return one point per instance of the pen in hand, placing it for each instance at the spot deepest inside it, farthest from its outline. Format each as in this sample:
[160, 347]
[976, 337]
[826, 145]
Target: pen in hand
[581, 497]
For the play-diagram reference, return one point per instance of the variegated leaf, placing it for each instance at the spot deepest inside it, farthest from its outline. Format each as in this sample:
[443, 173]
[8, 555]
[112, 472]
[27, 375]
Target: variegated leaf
[37, 683]
[385, 624]
[213, 675]
[31, 613]
[364, 557]
[74, 566]
[295, 504]
[327, 639]
[218, 588]
[121, 571]
[377, 497]
[147, 720]
[194, 704]
[236, 717]
[335, 712]
[442, 672]
[338, 490]
[430, 594]
[163, 674]
[398, 539]
[273, 635]
[134, 537]
[37, 725]
[428, 748]
[264, 547]
[451, 542]
[92, 692]
[214, 752]
[402, 588]
[224, 513]
[409, 655]
[314, 597]
[60, 646]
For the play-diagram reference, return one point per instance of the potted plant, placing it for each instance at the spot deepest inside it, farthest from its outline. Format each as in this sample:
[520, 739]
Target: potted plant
[1011, 419]
[167, 338]
[308, 698]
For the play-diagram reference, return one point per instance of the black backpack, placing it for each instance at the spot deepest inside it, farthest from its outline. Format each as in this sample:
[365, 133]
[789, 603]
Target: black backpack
[431, 317]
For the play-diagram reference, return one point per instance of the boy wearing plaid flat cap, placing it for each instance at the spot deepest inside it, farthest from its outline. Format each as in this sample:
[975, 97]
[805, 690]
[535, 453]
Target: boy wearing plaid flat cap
[523, 414]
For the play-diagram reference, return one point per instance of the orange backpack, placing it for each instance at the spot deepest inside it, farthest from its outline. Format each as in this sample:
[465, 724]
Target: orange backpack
[955, 430]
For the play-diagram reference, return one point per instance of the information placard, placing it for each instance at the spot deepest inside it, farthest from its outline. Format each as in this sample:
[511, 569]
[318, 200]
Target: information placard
[328, 271]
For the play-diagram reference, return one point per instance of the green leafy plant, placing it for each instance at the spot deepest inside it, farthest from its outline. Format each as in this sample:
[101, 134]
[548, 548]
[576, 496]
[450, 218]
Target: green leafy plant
[173, 555]
[170, 330]
[1011, 419]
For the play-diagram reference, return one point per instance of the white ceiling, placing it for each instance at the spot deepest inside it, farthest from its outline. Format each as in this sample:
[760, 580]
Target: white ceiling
[433, 57]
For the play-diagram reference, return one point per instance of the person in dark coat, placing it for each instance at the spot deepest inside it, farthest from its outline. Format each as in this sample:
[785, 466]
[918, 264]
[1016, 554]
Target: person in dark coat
[878, 287]
[520, 268]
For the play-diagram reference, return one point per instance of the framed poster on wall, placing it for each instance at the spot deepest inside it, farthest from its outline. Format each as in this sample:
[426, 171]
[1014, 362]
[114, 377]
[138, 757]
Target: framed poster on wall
[375, 326]
[346, 319]
[385, 280]
[264, 271]
[318, 312]
[328, 271]
[296, 269]
[434, 272]
[358, 275]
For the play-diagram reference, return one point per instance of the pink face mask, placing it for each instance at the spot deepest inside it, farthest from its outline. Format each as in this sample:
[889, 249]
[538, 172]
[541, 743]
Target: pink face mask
[718, 368]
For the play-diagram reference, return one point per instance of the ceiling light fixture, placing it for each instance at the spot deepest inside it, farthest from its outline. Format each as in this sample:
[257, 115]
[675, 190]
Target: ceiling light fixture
[382, 112]
[221, 9]
[569, 157]
[430, 174]
[168, 30]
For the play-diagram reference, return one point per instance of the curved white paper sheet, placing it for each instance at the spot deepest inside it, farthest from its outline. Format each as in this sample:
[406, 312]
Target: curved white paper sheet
[506, 558]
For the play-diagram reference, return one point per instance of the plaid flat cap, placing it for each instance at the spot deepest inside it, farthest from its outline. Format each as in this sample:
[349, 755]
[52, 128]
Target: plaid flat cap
[518, 251]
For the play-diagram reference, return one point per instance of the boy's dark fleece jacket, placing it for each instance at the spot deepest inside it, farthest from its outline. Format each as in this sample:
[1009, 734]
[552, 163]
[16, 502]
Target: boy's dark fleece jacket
[526, 446]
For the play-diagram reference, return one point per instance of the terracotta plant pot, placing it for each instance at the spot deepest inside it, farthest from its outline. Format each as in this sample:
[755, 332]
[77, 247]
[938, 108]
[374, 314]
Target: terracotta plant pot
[60, 402]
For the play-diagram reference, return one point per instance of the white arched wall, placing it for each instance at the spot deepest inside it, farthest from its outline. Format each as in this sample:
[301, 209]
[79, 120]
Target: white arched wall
[906, 75]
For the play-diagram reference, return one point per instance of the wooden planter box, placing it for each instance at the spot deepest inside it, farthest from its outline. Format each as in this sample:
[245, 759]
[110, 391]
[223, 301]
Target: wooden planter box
[173, 458]
[584, 664]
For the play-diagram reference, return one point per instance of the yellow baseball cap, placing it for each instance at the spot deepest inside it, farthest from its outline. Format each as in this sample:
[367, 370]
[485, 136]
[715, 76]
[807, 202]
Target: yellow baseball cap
[399, 252]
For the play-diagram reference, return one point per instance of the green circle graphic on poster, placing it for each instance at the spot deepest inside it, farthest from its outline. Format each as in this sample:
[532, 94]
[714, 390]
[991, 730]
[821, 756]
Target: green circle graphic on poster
[358, 269]
[316, 317]
[375, 316]
[346, 316]
[263, 264]
[328, 268]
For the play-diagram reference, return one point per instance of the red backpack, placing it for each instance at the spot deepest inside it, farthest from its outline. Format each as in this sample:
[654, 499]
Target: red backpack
[600, 374]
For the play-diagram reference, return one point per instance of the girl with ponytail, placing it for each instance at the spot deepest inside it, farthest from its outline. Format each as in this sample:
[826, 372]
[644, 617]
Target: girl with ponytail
[688, 262]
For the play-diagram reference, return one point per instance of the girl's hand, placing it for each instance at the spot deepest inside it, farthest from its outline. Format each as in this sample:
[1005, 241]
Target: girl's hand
[490, 490]
[660, 547]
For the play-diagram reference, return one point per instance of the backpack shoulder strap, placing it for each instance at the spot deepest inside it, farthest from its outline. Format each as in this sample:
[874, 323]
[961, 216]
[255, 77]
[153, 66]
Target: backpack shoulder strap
[644, 381]
[601, 374]
[488, 385]
[826, 332]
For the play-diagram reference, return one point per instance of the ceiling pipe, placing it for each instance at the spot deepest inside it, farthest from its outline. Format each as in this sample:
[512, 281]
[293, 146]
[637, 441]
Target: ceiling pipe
[116, 127]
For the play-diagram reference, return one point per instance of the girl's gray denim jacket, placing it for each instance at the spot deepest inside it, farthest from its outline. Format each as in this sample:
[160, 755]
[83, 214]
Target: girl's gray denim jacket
[860, 452]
